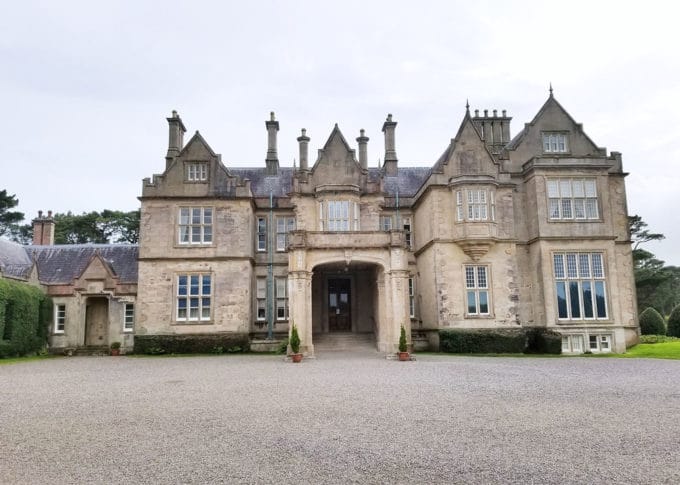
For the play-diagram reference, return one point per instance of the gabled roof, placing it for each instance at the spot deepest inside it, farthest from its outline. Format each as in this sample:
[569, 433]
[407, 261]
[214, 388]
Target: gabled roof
[61, 264]
[261, 183]
[407, 181]
[550, 102]
[467, 121]
[197, 138]
[336, 134]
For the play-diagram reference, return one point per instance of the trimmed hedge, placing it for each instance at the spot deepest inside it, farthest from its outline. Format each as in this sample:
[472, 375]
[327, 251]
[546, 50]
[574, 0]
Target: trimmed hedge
[25, 316]
[500, 341]
[674, 322]
[483, 341]
[191, 344]
[652, 323]
[543, 341]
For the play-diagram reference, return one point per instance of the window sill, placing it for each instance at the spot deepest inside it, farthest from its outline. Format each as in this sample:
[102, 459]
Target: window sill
[195, 245]
[479, 317]
[585, 322]
[193, 323]
[563, 221]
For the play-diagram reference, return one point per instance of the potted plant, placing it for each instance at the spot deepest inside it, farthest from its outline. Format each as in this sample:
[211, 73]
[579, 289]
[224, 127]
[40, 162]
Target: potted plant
[115, 348]
[403, 350]
[295, 345]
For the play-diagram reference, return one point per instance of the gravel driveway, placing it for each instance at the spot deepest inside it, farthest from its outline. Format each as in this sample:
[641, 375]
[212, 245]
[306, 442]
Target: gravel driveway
[363, 419]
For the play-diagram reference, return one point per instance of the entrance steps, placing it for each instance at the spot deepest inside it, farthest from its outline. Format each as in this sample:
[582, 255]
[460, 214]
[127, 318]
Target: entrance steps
[345, 341]
[92, 350]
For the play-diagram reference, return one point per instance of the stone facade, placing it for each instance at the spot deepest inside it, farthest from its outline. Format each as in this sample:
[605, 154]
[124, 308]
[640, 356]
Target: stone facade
[498, 233]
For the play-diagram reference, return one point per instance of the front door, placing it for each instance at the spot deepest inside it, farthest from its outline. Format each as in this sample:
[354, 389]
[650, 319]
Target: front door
[339, 310]
[96, 321]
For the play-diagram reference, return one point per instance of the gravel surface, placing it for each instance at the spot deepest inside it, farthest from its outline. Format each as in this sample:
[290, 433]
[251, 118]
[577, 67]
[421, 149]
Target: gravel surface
[336, 419]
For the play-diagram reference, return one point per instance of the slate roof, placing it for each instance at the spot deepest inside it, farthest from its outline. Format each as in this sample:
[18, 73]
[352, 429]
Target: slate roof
[14, 261]
[407, 181]
[60, 264]
[261, 183]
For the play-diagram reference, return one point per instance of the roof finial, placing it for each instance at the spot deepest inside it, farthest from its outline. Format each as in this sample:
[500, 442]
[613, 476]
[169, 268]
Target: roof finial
[467, 105]
[551, 90]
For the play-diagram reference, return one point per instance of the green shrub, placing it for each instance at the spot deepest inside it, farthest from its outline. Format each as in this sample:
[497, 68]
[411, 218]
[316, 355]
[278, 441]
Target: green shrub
[483, 341]
[25, 315]
[402, 340]
[294, 340]
[651, 322]
[543, 341]
[283, 346]
[657, 339]
[674, 322]
[191, 344]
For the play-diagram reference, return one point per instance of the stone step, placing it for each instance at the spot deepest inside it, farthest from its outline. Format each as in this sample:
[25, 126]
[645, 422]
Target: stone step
[92, 350]
[329, 342]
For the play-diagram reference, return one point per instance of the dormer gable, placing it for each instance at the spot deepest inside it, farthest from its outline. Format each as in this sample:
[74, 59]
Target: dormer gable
[336, 162]
[552, 133]
[467, 154]
[97, 276]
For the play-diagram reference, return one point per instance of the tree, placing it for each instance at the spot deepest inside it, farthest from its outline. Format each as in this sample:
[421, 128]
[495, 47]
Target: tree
[652, 323]
[109, 226]
[674, 322]
[639, 233]
[8, 218]
[650, 272]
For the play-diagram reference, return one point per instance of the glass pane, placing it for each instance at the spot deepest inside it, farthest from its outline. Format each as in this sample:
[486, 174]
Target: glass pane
[261, 288]
[554, 208]
[291, 224]
[472, 303]
[481, 277]
[600, 300]
[181, 303]
[604, 342]
[579, 209]
[577, 187]
[207, 234]
[591, 188]
[280, 287]
[565, 344]
[546, 143]
[206, 284]
[195, 234]
[194, 285]
[459, 198]
[583, 265]
[196, 215]
[261, 225]
[591, 208]
[484, 302]
[281, 242]
[571, 265]
[182, 314]
[561, 300]
[184, 234]
[574, 300]
[587, 299]
[193, 302]
[593, 342]
[598, 270]
[469, 277]
[566, 209]
[184, 216]
[565, 187]
[558, 262]
[207, 215]
[182, 285]
[577, 343]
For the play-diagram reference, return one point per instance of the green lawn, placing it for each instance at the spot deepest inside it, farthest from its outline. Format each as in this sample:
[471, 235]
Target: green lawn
[665, 350]
[19, 360]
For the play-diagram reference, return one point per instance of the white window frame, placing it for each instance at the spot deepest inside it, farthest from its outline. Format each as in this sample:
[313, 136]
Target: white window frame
[261, 298]
[59, 318]
[339, 216]
[195, 226]
[555, 142]
[128, 317]
[186, 293]
[572, 198]
[408, 236]
[600, 340]
[261, 234]
[386, 223]
[478, 288]
[197, 171]
[580, 284]
[412, 297]
[281, 298]
[573, 344]
[284, 224]
[475, 205]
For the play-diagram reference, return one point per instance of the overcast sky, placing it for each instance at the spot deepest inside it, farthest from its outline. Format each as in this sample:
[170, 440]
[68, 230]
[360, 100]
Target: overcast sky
[85, 87]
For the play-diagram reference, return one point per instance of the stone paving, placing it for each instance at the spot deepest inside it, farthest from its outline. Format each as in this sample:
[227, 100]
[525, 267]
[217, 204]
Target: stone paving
[339, 419]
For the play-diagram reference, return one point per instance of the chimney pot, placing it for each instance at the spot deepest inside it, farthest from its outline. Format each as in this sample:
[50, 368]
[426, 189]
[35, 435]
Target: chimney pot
[49, 213]
[504, 115]
[476, 113]
[363, 155]
[271, 116]
[495, 113]
[486, 113]
[40, 214]
[303, 140]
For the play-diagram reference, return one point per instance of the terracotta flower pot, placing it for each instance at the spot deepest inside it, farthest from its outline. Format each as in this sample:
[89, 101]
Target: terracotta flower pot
[403, 356]
[296, 358]
[115, 351]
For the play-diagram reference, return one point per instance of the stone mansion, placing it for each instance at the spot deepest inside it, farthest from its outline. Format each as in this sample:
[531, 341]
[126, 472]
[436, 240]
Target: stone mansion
[500, 232]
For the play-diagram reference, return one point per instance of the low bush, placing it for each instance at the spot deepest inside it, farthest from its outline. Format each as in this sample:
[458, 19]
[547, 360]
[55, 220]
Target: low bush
[651, 322]
[483, 341]
[25, 316]
[191, 344]
[657, 339]
[674, 322]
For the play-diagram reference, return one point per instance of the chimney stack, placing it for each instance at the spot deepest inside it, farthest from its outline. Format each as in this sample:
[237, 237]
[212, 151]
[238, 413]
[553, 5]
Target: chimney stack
[363, 143]
[303, 140]
[176, 137]
[272, 159]
[43, 229]
[390, 161]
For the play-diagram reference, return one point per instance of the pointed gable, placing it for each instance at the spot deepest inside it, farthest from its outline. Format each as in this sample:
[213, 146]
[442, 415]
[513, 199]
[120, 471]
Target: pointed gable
[197, 149]
[467, 154]
[552, 118]
[336, 162]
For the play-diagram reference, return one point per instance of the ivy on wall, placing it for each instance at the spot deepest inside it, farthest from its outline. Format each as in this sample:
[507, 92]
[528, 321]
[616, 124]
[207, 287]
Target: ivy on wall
[25, 316]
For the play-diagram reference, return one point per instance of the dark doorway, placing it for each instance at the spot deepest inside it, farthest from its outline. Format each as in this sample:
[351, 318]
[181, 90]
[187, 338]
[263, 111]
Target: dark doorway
[96, 321]
[339, 305]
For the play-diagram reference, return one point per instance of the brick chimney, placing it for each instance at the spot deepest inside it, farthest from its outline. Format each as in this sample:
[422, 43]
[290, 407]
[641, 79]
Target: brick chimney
[390, 161]
[303, 140]
[272, 159]
[363, 143]
[43, 229]
[176, 137]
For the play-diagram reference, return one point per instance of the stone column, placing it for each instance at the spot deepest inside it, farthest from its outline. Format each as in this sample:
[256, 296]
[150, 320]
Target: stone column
[398, 289]
[300, 307]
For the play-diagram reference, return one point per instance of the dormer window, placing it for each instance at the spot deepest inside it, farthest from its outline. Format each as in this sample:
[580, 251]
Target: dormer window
[555, 142]
[197, 171]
